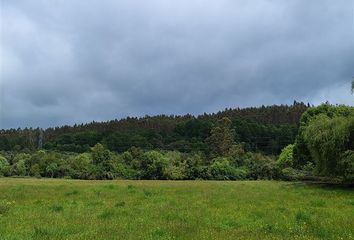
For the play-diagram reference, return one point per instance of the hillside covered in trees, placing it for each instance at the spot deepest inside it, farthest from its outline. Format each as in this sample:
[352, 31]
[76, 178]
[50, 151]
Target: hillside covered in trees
[295, 142]
[264, 129]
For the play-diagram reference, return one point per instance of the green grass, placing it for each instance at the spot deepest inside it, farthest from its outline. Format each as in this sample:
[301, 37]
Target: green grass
[75, 209]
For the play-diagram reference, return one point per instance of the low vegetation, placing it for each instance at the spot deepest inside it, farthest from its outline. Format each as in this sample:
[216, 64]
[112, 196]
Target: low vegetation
[76, 209]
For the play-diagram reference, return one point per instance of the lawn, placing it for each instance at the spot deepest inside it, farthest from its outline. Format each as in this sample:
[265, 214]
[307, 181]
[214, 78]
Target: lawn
[75, 209]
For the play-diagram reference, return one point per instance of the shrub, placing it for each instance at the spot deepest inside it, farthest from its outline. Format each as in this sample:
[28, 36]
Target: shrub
[286, 158]
[195, 167]
[52, 170]
[176, 168]
[19, 168]
[260, 166]
[346, 166]
[309, 167]
[125, 172]
[221, 169]
[153, 165]
[127, 157]
[4, 166]
[80, 166]
[21, 156]
[173, 172]
[292, 174]
[35, 171]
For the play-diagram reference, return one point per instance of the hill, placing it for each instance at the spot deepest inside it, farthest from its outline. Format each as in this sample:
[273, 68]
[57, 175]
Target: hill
[267, 129]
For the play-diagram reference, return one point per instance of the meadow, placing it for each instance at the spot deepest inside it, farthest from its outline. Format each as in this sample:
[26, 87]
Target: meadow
[120, 209]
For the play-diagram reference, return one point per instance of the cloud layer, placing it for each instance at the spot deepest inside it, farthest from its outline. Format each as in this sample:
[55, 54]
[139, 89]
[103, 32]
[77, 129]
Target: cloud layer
[65, 62]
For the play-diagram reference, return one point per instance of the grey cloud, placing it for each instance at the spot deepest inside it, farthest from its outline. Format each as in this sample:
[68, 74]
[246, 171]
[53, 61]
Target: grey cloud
[75, 61]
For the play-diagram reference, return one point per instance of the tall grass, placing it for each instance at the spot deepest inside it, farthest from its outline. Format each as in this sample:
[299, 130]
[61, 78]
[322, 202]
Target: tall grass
[74, 209]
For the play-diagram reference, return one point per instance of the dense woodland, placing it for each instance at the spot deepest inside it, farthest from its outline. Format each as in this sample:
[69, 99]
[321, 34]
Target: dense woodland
[264, 129]
[274, 142]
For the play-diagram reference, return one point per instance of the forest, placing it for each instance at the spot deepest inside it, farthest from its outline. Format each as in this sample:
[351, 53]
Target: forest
[295, 142]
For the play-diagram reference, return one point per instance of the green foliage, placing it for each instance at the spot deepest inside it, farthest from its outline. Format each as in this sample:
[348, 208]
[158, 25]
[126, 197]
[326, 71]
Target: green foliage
[196, 168]
[127, 157]
[328, 110]
[268, 138]
[81, 166]
[123, 171]
[326, 133]
[103, 162]
[309, 168]
[346, 166]
[100, 155]
[20, 168]
[153, 165]
[52, 170]
[4, 166]
[35, 171]
[302, 153]
[138, 164]
[260, 166]
[21, 156]
[265, 129]
[327, 138]
[176, 168]
[286, 158]
[221, 138]
[292, 174]
[221, 169]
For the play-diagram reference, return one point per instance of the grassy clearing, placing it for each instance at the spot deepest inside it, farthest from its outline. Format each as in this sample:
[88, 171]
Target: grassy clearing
[74, 209]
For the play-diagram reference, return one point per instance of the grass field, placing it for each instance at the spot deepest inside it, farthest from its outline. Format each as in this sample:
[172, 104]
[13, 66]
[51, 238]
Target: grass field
[73, 209]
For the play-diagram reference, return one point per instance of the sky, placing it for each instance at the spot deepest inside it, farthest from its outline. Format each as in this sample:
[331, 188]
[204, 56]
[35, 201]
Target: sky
[65, 62]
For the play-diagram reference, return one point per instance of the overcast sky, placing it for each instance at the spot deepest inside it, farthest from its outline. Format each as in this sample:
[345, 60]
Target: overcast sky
[66, 62]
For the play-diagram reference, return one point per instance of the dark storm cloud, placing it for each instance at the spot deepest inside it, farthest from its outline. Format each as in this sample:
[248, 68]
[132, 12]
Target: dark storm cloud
[76, 61]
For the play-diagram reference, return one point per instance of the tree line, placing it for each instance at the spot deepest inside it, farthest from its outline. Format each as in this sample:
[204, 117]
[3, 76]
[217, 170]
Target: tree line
[225, 159]
[217, 146]
[262, 129]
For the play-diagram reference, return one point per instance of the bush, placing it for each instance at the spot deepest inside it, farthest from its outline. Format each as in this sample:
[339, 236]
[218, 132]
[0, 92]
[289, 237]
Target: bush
[52, 170]
[292, 174]
[261, 167]
[221, 169]
[127, 157]
[21, 156]
[286, 158]
[346, 166]
[194, 167]
[19, 168]
[4, 166]
[35, 171]
[176, 168]
[309, 168]
[175, 172]
[81, 166]
[153, 165]
[125, 172]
